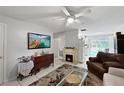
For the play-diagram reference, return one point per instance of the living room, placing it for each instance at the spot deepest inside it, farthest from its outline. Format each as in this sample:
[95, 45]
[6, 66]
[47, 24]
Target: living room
[72, 36]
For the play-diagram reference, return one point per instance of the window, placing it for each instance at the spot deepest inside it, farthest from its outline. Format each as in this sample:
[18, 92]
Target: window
[103, 43]
[99, 44]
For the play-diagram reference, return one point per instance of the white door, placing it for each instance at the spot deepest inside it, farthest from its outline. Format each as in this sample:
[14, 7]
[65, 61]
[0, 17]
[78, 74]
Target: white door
[1, 54]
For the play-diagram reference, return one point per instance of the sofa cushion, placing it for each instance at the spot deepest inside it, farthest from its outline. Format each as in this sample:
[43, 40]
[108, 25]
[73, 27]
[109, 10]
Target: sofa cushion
[106, 65]
[104, 57]
[112, 80]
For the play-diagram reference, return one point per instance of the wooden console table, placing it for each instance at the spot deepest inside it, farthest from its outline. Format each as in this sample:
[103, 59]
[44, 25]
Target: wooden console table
[42, 62]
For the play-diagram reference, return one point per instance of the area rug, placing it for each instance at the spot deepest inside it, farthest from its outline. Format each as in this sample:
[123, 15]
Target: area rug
[54, 77]
[93, 80]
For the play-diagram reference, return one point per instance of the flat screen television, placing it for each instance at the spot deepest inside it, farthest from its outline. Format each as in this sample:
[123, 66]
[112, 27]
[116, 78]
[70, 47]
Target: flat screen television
[37, 41]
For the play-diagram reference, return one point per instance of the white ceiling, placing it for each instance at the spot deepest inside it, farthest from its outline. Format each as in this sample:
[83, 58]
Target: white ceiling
[49, 16]
[54, 18]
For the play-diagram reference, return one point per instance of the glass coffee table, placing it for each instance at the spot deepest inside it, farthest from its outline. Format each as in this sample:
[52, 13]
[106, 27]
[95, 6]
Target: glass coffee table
[74, 78]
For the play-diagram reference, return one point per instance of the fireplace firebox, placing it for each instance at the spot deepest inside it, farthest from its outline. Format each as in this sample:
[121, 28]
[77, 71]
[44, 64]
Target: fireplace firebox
[69, 58]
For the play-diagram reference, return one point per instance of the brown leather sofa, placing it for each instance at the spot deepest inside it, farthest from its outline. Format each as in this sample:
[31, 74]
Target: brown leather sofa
[100, 64]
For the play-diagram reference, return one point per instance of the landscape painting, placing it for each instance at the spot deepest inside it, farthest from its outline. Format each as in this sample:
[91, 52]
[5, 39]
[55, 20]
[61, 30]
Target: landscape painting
[37, 41]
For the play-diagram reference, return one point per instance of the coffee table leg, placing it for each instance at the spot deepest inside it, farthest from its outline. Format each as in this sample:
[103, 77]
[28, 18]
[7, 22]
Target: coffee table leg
[85, 82]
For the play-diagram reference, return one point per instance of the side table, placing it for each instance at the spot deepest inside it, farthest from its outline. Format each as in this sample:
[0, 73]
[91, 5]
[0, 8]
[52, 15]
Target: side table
[24, 69]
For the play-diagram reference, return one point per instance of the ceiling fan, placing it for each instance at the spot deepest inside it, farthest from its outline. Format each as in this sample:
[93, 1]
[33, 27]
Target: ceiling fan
[73, 18]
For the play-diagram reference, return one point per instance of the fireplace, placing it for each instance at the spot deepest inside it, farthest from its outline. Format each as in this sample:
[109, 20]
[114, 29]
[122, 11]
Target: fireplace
[70, 55]
[69, 58]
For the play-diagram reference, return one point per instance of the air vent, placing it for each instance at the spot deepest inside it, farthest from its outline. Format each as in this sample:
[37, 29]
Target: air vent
[83, 29]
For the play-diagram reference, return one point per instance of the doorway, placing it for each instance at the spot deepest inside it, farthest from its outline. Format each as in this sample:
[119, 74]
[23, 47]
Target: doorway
[2, 52]
[56, 48]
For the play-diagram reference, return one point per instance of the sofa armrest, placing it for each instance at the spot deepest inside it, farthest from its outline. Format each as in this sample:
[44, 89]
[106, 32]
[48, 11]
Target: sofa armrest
[106, 65]
[116, 71]
[93, 59]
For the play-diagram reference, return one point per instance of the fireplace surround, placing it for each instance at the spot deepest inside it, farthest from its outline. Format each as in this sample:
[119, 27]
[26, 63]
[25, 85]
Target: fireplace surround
[70, 55]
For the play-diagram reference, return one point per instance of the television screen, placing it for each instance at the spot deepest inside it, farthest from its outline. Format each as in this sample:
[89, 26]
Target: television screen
[36, 41]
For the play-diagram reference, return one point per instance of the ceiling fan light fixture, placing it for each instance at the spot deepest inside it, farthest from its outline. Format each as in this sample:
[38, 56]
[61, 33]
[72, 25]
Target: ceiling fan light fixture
[70, 20]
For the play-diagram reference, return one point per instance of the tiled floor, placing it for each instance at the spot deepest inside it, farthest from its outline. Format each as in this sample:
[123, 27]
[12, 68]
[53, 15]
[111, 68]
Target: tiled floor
[31, 79]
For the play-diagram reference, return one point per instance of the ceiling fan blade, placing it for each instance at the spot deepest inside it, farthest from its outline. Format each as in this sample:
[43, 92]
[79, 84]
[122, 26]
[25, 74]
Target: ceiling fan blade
[43, 16]
[83, 13]
[61, 19]
[66, 12]
[77, 21]
[79, 15]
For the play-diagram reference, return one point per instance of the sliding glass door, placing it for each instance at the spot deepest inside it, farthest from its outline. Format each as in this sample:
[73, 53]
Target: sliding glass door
[104, 43]
[98, 44]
